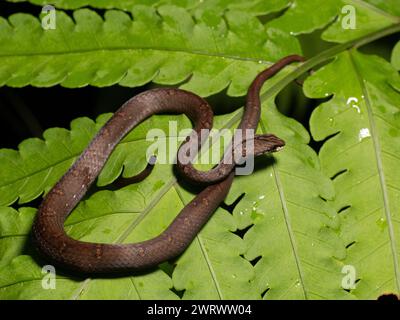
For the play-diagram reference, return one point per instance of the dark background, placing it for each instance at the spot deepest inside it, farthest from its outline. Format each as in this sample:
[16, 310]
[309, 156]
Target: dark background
[27, 112]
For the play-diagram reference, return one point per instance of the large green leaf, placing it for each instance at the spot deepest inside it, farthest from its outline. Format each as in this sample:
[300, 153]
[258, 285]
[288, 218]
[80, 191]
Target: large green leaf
[293, 229]
[363, 159]
[166, 46]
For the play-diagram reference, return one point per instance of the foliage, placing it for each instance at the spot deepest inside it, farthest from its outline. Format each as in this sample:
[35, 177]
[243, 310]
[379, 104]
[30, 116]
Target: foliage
[302, 215]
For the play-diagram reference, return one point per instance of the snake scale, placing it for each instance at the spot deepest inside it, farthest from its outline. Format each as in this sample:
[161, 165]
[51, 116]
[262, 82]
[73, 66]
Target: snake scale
[48, 231]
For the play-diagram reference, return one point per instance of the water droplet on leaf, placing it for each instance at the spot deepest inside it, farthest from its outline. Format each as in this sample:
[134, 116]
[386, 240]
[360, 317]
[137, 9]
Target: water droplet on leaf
[364, 133]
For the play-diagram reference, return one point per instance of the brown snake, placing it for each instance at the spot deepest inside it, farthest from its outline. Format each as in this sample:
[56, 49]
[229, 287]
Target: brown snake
[48, 228]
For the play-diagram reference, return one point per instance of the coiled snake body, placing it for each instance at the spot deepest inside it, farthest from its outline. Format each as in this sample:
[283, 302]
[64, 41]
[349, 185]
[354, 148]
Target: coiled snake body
[48, 228]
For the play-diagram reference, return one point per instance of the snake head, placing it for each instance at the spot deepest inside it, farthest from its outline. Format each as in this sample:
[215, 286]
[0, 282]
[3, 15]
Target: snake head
[267, 143]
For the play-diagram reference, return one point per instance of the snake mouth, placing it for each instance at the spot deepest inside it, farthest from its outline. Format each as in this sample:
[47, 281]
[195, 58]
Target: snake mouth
[278, 148]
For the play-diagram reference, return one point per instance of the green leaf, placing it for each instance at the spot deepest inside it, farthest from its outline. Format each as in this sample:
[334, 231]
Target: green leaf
[38, 164]
[293, 22]
[23, 278]
[293, 229]
[363, 160]
[14, 227]
[300, 227]
[166, 46]
[366, 17]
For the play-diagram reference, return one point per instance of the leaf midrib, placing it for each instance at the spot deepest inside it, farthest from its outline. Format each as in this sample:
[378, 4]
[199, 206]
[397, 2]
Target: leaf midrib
[286, 217]
[205, 255]
[193, 52]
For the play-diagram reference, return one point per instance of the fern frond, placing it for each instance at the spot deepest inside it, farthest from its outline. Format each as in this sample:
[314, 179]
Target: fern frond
[292, 237]
[292, 214]
[166, 46]
[38, 164]
[362, 158]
